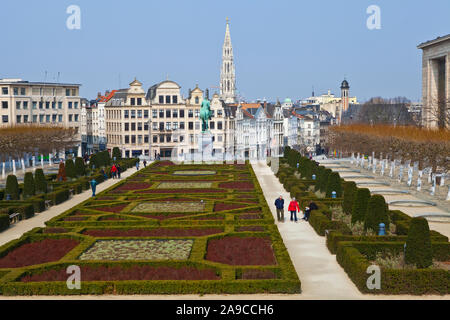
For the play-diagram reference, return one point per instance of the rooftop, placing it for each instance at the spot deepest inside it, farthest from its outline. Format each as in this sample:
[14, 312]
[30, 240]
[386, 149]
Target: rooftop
[433, 42]
[20, 81]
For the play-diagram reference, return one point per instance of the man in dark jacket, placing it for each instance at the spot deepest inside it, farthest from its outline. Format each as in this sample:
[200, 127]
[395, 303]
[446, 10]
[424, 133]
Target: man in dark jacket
[279, 204]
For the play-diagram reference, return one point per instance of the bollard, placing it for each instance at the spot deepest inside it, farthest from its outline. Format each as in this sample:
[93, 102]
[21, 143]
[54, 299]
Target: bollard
[93, 186]
[298, 165]
[8, 197]
[333, 194]
[382, 230]
[314, 177]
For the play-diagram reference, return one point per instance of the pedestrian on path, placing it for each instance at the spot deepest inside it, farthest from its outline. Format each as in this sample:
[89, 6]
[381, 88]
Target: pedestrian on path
[137, 166]
[279, 204]
[307, 213]
[93, 186]
[313, 206]
[119, 169]
[293, 208]
[145, 163]
[113, 171]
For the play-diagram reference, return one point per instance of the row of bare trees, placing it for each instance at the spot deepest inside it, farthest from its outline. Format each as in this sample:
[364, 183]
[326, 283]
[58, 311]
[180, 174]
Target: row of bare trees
[18, 140]
[430, 148]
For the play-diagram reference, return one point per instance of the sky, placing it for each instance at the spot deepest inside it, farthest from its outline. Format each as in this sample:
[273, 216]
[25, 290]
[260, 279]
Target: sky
[281, 48]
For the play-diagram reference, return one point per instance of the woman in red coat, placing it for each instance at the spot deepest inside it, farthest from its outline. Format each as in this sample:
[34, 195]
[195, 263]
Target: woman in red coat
[293, 208]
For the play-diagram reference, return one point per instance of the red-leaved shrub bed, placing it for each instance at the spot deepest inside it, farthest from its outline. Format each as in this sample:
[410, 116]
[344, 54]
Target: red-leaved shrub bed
[162, 216]
[47, 250]
[251, 229]
[118, 273]
[113, 218]
[241, 251]
[159, 232]
[210, 217]
[54, 230]
[134, 186]
[258, 274]
[163, 164]
[249, 216]
[76, 218]
[227, 206]
[237, 185]
[183, 191]
[106, 198]
[114, 209]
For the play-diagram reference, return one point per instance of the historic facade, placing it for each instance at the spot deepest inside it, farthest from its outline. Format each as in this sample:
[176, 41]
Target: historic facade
[227, 72]
[436, 82]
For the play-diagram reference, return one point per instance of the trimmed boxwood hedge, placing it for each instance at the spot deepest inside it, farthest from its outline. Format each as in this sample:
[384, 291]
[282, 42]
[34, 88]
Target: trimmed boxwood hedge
[354, 258]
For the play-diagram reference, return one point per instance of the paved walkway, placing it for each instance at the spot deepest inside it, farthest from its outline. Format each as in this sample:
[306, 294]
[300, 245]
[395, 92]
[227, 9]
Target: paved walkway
[15, 231]
[442, 208]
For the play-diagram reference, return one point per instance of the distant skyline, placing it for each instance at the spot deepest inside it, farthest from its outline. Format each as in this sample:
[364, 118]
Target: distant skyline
[281, 48]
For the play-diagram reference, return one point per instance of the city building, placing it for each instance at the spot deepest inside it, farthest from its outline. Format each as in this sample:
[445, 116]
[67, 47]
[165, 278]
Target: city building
[42, 103]
[227, 71]
[436, 82]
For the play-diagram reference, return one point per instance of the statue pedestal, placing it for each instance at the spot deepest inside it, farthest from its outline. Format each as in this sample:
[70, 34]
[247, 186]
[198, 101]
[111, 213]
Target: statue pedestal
[205, 147]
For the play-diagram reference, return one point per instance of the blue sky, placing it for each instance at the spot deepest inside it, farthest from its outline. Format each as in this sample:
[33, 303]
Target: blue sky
[282, 48]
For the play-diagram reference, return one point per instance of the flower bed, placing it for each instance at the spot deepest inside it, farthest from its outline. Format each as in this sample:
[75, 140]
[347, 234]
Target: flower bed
[258, 274]
[138, 250]
[183, 191]
[227, 206]
[113, 209]
[194, 173]
[133, 186]
[169, 207]
[115, 273]
[38, 252]
[251, 228]
[237, 185]
[159, 232]
[184, 185]
[238, 251]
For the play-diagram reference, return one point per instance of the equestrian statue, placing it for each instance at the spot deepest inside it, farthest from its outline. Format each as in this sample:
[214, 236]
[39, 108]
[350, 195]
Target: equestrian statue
[205, 114]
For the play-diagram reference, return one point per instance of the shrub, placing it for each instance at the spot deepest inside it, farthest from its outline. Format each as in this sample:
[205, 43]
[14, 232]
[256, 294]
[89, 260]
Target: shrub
[324, 180]
[59, 196]
[360, 205]
[349, 196]
[61, 173]
[28, 185]
[376, 213]
[4, 221]
[116, 153]
[418, 244]
[40, 182]
[80, 169]
[70, 169]
[334, 184]
[93, 162]
[12, 187]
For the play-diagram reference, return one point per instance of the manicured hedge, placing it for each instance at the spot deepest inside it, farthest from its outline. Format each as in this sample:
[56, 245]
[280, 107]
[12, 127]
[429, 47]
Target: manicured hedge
[352, 257]
[4, 221]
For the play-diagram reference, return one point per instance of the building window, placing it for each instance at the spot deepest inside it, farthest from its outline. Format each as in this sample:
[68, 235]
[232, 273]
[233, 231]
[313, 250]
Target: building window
[181, 113]
[154, 126]
[70, 104]
[41, 105]
[18, 119]
[34, 105]
[161, 113]
[197, 113]
[211, 125]
[67, 92]
[175, 125]
[190, 113]
[17, 104]
[76, 118]
[4, 90]
[126, 114]
[133, 101]
[175, 113]
[168, 138]
[161, 126]
[70, 117]
[23, 91]
[54, 118]
[133, 114]
[197, 125]
[5, 105]
[139, 114]
[53, 105]
[145, 126]
[219, 113]
[146, 138]
[168, 113]
[133, 126]
[155, 139]
[76, 105]
[60, 118]
[16, 91]
[168, 125]
[175, 99]
[47, 118]
[25, 118]
[35, 118]
[161, 99]
[154, 114]
[25, 105]
[5, 119]
[197, 100]
[47, 105]
[74, 92]
[190, 125]
[139, 101]
[139, 139]
[127, 126]
[139, 126]
[59, 105]
[127, 139]
[161, 138]
[182, 125]
[219, 125]
[145, 114]
[168, 99]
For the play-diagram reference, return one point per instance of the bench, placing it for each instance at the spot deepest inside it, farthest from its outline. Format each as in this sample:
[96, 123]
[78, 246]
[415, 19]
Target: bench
[48, 203]
[14, 217]
[71, 191]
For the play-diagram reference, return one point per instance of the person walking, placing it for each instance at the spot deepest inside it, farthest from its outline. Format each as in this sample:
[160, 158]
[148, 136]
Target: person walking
[145, 163]
[293, 208]
[137, 165]
[313, 206]
[119, 169]
[279, 204]
[113, 171]
[307, 213]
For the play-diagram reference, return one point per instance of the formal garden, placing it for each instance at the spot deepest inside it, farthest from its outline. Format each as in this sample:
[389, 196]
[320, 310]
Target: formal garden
[200, 228]
[38, 192]
[413, 259]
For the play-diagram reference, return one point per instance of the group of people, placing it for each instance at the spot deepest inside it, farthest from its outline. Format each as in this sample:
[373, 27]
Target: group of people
[293, 208]
[115, 171]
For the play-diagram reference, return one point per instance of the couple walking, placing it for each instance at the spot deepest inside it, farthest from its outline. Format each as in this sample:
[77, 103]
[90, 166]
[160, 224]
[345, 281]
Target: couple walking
[292, 208]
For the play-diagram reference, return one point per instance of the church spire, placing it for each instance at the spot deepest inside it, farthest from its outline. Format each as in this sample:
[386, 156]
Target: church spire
[227, 73]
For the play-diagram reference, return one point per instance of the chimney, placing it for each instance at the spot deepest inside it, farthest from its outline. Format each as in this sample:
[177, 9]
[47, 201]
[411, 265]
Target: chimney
[99, 94]
[107, 93]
